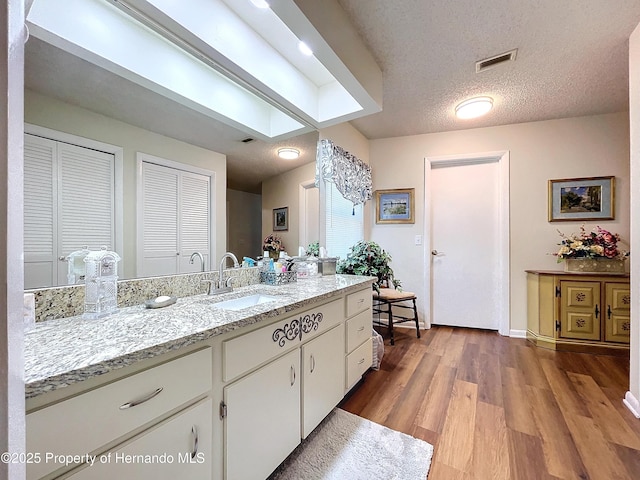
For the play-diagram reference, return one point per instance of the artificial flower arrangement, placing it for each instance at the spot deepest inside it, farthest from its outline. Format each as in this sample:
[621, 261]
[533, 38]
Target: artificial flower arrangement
[598, 243]
[272, 243]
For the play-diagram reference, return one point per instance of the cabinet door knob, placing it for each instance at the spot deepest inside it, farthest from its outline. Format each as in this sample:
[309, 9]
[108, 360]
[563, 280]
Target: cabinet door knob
[609, 311]
[146, 398]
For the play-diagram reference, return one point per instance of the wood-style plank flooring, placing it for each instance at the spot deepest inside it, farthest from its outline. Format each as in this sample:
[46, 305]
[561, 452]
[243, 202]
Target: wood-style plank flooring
[500, 408]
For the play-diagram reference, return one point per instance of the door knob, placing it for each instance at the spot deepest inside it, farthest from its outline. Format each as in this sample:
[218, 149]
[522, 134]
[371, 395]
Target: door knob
[435, 252]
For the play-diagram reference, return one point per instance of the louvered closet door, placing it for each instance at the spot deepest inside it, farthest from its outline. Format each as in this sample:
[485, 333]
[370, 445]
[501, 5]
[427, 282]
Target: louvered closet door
[40, 204]
[160, 220]
[69, 203]
[193, 222]
[86, 201]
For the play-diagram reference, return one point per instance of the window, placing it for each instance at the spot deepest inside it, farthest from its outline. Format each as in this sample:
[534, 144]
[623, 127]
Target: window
[344, 225]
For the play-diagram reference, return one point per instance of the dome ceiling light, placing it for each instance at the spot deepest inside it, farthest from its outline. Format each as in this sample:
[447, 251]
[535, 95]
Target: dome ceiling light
[474, 107]
[289, 153]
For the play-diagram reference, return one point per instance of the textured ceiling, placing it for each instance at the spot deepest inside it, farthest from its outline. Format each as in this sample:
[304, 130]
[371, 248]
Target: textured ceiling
[572, 60]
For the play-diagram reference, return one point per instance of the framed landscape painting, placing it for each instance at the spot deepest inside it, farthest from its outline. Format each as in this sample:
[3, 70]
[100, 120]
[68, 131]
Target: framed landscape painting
[591, 198]
[395, 206]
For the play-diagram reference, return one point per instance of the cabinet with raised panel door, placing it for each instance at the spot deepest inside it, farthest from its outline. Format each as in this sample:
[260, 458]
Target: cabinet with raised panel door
[585, 312]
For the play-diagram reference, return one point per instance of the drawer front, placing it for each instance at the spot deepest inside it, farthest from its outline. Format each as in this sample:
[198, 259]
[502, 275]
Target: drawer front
[243, 353]
[358, 329]
[182, 444]
[84, 423]
[359, 301]
[358, 362]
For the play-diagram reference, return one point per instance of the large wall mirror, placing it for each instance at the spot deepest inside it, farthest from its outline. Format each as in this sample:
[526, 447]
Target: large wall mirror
[72, 96]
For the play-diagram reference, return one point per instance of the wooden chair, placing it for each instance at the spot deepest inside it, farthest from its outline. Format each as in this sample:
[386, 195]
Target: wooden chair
[390, 298]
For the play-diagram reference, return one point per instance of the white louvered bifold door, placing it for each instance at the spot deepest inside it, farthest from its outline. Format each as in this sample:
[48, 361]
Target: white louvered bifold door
[69, 203]
[86, 201]
[193, 223]
[40, 199]
[160, 220]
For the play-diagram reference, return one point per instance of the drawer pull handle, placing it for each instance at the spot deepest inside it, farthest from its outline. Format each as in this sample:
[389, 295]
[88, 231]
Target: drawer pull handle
[293, 375]
[313, 363]
[361, 361]
[194, 436]
[361, 328]
[134, 403]
[361, 300]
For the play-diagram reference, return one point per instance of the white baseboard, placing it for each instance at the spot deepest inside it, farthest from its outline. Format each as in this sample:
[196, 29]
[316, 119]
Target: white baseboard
[518, 333]
[632, 404]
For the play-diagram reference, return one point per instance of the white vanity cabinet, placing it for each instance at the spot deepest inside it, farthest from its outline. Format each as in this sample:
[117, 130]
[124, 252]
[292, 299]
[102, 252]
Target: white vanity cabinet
[90, 423]
[299, 379]
[322, 378]
[262, 423]
[178, 448]
[358, 347]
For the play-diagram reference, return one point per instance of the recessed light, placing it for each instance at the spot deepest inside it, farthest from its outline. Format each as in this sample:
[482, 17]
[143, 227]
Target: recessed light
[474, 107]
[288, 153]
[260, 3]
[304, 48]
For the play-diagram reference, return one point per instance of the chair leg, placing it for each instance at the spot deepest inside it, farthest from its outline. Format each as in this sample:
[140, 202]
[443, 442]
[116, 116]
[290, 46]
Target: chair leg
[391, 324]
[415, 315]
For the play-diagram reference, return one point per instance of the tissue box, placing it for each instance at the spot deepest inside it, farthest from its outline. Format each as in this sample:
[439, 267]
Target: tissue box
[327, 266]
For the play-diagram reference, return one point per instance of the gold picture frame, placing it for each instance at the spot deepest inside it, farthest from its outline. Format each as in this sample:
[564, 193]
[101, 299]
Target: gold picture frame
[582, 199]
[395, 206]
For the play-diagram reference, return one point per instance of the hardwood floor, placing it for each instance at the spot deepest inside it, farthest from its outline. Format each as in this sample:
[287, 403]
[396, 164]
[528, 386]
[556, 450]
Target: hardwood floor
[499, 408]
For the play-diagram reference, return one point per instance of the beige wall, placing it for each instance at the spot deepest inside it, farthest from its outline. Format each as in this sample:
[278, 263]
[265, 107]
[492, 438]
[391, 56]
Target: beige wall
[634, 113]
[284, 191]
[54, 114]
[539, 151]
[244, 228]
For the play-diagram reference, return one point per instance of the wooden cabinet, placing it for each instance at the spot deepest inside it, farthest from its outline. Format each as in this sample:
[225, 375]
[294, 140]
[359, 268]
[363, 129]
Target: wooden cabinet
[585, 312]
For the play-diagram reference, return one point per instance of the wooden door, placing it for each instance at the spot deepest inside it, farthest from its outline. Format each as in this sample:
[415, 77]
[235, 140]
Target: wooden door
[580, 310]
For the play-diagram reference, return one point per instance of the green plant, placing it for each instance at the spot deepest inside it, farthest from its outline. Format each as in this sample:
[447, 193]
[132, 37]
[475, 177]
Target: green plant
[314, 249]
[368, 258]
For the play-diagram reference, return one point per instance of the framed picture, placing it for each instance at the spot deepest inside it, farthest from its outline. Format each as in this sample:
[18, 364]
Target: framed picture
[581, 199]
[395, 206]
[281, 219]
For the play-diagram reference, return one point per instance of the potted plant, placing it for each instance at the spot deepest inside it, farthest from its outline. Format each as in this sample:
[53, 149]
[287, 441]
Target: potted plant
[368, 258]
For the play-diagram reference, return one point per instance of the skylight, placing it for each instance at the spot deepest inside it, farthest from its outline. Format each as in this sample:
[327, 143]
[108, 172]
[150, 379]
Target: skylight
[224, 58]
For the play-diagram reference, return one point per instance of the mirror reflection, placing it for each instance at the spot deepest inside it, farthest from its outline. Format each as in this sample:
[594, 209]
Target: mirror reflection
[109, 163]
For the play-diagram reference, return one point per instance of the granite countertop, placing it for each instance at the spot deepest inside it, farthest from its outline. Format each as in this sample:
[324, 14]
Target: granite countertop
[62, 352]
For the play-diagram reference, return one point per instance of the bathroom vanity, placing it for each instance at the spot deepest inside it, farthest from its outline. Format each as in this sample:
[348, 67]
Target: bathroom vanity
[205, 388]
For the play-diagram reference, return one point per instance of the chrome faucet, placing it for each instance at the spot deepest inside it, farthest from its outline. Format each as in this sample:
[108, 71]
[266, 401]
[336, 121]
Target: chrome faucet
[197, 254]
[222, 286]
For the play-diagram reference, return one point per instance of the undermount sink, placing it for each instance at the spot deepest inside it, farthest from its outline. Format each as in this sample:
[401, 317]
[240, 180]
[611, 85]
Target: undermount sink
[245, 302]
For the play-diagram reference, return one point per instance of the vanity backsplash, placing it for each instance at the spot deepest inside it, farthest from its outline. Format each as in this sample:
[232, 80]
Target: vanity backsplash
[68, 301]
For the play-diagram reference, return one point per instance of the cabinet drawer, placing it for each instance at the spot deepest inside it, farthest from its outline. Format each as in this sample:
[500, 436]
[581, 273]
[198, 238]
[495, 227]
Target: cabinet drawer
[358, 329]
[84, 423]
[358, 301]
[359, 362]
[182, 445]
[243, 353]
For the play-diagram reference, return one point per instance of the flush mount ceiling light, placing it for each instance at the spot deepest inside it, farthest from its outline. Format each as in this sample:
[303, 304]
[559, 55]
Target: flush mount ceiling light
[474, 107]
[289, 153]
